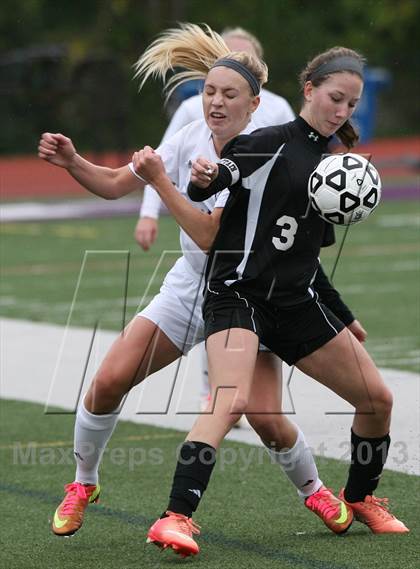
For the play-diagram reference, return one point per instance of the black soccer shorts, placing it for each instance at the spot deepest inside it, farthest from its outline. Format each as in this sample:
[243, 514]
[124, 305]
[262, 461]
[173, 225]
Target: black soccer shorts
[290, 332]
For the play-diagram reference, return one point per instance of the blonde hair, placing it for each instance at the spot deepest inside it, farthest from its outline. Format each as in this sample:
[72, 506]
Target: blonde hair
[346, 133]
[195, 49]
[242, 34]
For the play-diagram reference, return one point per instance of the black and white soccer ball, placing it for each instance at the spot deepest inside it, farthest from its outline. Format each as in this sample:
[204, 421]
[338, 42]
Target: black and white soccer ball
[344, 188]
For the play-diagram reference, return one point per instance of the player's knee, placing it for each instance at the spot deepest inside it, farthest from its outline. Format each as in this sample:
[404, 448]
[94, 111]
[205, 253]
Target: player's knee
[259, 423]
[239, 404]
[383, 403]
[269, 427]
[379, 403]
[108, 387]
[263, 428]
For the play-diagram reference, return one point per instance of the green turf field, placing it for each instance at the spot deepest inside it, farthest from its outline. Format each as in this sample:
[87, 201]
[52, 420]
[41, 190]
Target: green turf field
[250, 517]
[378, 274]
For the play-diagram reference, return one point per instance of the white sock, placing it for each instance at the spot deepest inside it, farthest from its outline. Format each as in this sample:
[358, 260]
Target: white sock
[299, 466]
[91, 435]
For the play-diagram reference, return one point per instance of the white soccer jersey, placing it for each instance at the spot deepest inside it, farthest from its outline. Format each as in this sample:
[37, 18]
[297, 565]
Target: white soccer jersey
[177, 153]
[272, 110]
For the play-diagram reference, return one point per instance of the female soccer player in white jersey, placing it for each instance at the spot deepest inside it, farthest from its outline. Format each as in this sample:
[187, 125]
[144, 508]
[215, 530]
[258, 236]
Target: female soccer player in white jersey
[272, 109]
[171, 324]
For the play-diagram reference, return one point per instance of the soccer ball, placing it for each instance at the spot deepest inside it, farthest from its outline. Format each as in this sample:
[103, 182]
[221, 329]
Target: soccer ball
[344, 188]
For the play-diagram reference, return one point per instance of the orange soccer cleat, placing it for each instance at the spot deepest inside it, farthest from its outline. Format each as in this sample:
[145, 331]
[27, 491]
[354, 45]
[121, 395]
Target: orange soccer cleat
[334, 512]
[374, 512]
[68, 517]
[175, 531]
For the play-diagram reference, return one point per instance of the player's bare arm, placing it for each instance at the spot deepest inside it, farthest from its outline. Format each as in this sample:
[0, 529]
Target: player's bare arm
[200, 226]
[108, 183]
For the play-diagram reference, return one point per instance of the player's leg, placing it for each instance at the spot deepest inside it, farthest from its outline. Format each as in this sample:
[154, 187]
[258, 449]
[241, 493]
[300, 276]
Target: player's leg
[264, 411]
[232, 354]
[282, 438]
[139, 351]
[344, 366]
[205, 387]
[287, 446]
[205, 398]
[169, 326]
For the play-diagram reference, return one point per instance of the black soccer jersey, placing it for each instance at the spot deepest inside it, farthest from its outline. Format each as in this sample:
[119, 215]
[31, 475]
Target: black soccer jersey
[269, 238]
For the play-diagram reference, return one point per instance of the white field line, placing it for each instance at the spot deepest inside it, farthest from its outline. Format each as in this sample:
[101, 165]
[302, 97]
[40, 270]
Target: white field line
[398, 266]
[399, 220]
[379, 289]
[62, 306]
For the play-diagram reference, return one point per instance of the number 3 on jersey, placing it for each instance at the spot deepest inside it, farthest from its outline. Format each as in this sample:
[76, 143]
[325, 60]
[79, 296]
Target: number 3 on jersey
[289, 227]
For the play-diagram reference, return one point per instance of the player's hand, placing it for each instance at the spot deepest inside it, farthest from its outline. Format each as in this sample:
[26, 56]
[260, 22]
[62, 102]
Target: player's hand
[148, 165]
[146, 232]
[56, 149]
[357, 329]
[203, 172]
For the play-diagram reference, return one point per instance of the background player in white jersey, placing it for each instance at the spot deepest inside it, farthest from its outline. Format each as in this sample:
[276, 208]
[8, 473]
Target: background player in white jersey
[273, 109]
[172, 323]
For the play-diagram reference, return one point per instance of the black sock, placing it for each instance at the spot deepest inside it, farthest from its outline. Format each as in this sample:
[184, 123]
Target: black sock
[192, 474]
[368, 456]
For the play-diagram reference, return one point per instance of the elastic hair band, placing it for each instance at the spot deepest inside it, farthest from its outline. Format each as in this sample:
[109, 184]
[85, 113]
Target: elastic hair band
[242, 70]
[340, 63]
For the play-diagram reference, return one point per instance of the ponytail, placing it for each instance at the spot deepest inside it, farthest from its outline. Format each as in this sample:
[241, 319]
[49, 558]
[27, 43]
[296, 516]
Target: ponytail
[195, 49]
[348, 135]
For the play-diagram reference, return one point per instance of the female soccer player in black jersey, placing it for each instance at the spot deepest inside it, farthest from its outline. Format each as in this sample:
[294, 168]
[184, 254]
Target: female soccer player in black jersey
[259, 289]
[261, 268]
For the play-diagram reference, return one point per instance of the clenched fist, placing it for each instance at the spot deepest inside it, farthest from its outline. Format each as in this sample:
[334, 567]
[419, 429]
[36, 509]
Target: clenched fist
[148, 165]
[56, 149]
[203, 172]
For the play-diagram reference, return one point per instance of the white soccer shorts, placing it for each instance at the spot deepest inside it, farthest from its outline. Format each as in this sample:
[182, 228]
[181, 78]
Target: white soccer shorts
[176, 310]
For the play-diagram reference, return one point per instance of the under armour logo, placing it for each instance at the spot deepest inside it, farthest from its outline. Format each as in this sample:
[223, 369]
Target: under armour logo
[313, 136]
